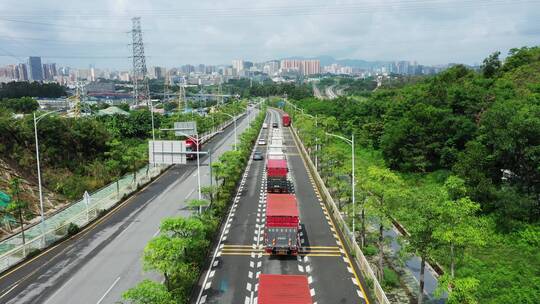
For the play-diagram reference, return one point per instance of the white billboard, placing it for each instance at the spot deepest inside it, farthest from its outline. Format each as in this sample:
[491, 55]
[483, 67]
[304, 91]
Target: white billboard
[184, 128]
[167, 152]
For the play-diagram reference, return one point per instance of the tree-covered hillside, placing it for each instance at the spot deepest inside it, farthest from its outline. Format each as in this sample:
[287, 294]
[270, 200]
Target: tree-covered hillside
[483, 126]
[463, 149]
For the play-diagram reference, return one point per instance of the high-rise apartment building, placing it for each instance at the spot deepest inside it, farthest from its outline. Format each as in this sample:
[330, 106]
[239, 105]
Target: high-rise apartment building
[304, 67]
[35, 69]
[23, 72]
[238, 65]
[188, 68]
[271, 67]
[157, 72]
[49, 71]
[311, 67]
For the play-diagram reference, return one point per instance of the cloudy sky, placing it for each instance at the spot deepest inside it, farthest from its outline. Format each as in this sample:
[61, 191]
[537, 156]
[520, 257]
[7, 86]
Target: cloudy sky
[83, 32]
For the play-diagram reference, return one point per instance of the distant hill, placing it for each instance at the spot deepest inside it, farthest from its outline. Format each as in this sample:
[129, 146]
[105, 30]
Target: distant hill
[357, 63]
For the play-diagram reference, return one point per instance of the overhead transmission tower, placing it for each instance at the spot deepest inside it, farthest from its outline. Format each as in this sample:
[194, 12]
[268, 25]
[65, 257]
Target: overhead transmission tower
[141, 93]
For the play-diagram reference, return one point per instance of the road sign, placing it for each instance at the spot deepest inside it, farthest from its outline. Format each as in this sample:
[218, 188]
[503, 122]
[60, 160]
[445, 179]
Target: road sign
[167, 152]
[184, 128]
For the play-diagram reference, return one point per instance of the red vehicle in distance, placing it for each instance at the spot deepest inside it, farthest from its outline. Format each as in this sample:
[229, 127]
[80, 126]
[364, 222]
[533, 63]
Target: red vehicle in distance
[286, 120]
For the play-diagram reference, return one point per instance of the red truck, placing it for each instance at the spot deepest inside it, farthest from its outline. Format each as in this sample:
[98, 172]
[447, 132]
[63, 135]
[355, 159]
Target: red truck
[191, 145]
[286, 119]
[279, 289]
[276, 175]
[281, 235]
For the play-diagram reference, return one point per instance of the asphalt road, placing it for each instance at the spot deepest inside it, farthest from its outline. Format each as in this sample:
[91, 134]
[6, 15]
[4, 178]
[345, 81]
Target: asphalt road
[317, 92]
[103, 261]
[330, 92]
[237, 259]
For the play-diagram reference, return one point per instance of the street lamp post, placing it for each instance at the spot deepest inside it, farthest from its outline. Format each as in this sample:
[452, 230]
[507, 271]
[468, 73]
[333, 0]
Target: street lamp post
[351, 143]
[195, 139]
[41, 209]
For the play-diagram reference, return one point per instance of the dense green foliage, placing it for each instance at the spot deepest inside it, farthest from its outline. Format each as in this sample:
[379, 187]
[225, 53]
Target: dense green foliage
[179, 251]
[350, 85]
[18, 89]
[19, 105]
[465, 147]
[487, 130]
[86, 153]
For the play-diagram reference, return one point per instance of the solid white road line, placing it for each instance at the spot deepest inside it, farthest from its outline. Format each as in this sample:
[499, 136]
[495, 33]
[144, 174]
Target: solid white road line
[108, 290]
[190, 193]
[9, 290]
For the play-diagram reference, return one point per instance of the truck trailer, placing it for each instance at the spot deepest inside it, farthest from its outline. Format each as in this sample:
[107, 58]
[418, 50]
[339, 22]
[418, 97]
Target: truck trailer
[286, 119]
[281, 234]
[276, 175]
[280, 289]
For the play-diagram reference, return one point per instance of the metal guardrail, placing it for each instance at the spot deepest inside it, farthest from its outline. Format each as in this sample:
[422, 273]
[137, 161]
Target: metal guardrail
[358, 255]
[80, 213]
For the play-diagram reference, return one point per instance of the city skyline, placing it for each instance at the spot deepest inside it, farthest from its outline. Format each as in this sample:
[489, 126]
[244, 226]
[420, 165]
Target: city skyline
[77, 34]
[35, 70]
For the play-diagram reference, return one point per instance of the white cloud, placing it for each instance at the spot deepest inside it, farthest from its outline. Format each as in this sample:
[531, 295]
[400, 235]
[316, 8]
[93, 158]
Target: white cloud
[177, 32]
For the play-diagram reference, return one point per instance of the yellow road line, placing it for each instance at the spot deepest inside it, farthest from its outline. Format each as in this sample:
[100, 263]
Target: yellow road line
[267, 254]
[258, 251]
[250, 246]
[241, 249]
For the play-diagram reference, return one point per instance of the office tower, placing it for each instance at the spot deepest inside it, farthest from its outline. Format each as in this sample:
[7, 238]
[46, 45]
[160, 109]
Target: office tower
[35, 69]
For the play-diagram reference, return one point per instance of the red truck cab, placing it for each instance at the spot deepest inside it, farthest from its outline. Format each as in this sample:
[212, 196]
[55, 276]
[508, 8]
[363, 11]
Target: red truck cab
[276, 175]
[282, 225]
[286, 119]
[279, 289]
[191, 145]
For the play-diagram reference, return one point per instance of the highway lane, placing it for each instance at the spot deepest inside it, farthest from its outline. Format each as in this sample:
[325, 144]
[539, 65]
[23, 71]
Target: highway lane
[101, 263]
[330, 92]
[238, 257]
[317, 92]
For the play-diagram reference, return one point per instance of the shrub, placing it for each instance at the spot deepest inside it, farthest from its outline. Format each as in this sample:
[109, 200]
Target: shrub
[32, 253]
[390, 278]
[370, 250]
[73, 229]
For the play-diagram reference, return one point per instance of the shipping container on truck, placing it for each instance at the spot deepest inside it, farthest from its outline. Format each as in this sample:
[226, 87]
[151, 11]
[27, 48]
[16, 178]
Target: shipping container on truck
[277, 132]
[282, 225]
[278, 154]
[191, 145]
[280, 289]
[286, 120]
[276, 175]
[277, 142]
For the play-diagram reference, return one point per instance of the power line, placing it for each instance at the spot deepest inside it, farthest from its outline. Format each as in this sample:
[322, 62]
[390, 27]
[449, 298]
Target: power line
[298, 10]
[54, 41]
